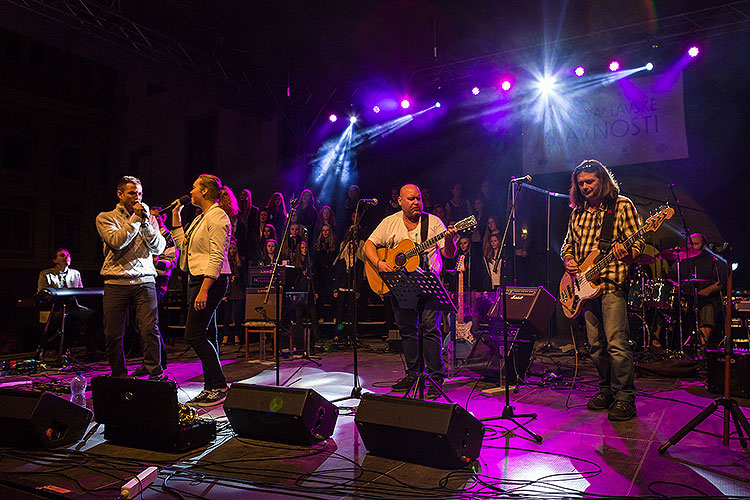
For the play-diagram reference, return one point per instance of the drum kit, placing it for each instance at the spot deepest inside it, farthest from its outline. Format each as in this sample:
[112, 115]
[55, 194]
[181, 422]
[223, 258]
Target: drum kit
[661, 301]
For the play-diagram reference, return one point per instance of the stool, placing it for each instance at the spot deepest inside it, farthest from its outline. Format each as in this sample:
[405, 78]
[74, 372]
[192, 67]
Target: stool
[263, 328]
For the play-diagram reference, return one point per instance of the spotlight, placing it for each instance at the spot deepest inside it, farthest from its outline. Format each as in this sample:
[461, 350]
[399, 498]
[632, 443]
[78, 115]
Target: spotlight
[580, 71]
[332, 117]
[437, 104]
[405, 103]
[649, 66]
[506, 85]
[352, 119]
[546, 84]
[376, 109]
[475, 91]
[693, 51]
[614, 66]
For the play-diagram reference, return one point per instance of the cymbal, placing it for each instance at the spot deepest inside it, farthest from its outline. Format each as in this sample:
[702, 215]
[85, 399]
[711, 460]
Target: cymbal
[678, 253]
[695, 280]
[645, 259]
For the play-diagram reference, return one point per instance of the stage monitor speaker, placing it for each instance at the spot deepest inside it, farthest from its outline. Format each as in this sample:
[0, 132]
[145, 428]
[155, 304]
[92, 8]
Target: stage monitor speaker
[423, 432]
[532, 305]
[256, 310]
[31, 419]
[145, 414]
[280, 414]
[739, 372]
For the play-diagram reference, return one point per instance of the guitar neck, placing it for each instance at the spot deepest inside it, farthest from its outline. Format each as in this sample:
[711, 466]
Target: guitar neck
[604, 262]
[421, 247]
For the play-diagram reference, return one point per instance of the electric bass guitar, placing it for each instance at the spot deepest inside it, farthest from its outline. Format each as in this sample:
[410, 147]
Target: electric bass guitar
[463, 328]
[405, 256]
[577, 288]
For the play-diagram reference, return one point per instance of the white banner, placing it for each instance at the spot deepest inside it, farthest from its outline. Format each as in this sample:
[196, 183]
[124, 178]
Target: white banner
[628, 121]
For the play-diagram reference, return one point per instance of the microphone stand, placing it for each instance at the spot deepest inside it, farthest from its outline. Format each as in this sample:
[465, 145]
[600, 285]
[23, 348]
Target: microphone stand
[351, 246]
[686, 233]
[508, 413]
[279, 295]
[732, 411]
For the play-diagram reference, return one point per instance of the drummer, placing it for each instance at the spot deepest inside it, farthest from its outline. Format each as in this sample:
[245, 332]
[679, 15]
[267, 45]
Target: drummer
[708, 273]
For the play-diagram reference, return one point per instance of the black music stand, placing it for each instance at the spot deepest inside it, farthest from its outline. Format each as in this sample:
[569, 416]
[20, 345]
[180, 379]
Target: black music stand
[419, 290]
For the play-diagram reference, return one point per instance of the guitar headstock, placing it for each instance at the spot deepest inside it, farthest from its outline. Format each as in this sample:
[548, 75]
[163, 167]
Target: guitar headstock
[460, 263]
[663, 213]
[469, 222]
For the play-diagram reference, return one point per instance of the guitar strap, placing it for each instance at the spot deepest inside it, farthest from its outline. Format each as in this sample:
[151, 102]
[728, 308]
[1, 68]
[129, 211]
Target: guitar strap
[607, 235]
[423, 262]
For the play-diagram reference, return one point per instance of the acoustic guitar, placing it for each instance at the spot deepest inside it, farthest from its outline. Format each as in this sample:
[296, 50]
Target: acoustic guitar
[577, 288]
[405, 256]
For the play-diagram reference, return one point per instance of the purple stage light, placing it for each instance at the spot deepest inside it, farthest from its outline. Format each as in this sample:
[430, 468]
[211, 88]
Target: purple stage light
[405, 103]
[332, 117]
[614, 66]
[506, 85]
[352, 119]
[580, 71]
[376, 109]
[475, 91]
[693, 51]
[437, 104]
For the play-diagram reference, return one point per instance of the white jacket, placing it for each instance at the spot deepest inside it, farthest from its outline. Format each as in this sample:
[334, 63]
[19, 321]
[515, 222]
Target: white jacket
[205, 251]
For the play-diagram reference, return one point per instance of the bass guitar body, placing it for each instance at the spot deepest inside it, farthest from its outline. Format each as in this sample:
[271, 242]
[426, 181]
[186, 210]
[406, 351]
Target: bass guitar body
[394, 257]
[575, 289]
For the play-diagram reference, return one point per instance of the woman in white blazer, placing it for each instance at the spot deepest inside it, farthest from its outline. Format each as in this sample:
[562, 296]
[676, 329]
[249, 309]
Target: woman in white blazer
[203, 250]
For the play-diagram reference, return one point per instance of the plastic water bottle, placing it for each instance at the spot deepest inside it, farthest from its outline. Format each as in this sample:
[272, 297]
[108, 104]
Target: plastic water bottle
[78, 389]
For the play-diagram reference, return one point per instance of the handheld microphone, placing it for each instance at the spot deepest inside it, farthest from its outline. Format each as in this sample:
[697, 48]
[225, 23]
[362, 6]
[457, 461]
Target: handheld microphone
[184, 200]
[369, 201]
[521, 180]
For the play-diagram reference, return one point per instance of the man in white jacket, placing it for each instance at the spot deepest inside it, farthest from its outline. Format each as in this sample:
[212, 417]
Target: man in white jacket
[131, 238]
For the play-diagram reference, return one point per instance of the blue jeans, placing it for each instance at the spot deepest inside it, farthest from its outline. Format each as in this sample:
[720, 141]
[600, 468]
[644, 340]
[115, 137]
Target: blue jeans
[608, 333]
[200, 329]
[432, 341]
[115, 304]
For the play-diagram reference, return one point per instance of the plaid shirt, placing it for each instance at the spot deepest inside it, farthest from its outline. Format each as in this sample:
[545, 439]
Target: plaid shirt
[584, 228]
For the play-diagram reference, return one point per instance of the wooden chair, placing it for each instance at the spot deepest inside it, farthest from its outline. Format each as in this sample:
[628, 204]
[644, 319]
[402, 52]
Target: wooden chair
[263, 328]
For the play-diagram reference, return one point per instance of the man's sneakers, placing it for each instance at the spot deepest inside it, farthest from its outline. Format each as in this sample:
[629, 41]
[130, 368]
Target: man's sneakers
[404, 384]
[434, 390]
[140, 372]
[618, 409]
[621, 411]
[209, 397]
[601, 401]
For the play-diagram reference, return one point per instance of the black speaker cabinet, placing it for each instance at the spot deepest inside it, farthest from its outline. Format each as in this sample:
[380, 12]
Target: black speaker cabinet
[40, 420]
[532, 305]
[145, 414]
[280, 414]
[423, 432]
[739, 372]
[487, 356]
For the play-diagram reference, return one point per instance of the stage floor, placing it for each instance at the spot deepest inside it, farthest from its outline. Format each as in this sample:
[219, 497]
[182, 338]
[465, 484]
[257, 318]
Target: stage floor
[582, 454]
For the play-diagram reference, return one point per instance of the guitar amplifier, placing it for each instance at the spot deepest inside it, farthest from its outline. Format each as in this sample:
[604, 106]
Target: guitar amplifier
[533, 305]
[739, 372]
[259, 276]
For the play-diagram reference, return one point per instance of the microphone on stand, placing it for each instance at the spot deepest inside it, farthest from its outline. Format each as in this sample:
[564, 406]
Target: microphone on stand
[521, 180]
[184, 200]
